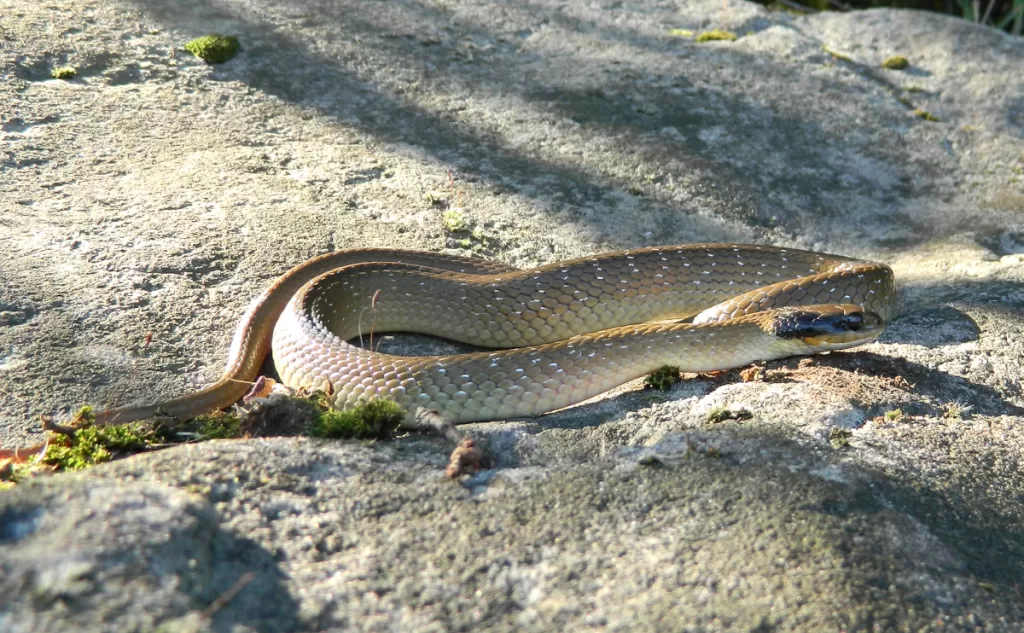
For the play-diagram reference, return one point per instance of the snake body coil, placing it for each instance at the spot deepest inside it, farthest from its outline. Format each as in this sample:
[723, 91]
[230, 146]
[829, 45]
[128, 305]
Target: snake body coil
[567, 331]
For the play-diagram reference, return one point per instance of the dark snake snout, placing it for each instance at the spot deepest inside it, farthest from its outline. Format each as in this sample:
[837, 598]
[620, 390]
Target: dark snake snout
[823, 321]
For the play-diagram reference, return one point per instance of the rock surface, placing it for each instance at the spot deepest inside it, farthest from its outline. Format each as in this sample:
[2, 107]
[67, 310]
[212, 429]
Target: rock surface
[144, 202]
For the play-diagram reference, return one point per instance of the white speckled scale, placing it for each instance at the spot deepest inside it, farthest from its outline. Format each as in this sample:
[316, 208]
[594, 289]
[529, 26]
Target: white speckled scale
[560, 312]
[588, 325]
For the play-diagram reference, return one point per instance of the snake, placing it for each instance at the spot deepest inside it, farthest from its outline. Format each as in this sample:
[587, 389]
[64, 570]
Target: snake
[548, 337]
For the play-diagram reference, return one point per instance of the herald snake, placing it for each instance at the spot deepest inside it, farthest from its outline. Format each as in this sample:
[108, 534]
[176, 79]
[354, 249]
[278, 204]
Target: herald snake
[561, 333]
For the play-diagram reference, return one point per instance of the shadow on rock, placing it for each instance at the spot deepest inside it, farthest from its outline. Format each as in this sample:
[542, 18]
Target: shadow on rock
[146, 556]
[974, 512]
[668, 126]
[922, 299]
[877, 383]
[933, 326]
[932, 388]
[678, 531]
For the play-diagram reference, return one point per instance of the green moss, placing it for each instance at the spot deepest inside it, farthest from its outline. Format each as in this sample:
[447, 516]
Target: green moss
[63, 72]
[717, 414]
[721, 414]
[377, 418]
[913, 88]
[924, 114]
[716, 35]
[92, 445]
[320, 399]
[839, 438]
[84, 417]
[893, 416]
[213, 48]
[435, 199]
[681, 33]
[896, 62]
[954, 410]
[454, 221]
[202, 490]
[17, 473]
[662, 379]
[218, 426]
[651, 461]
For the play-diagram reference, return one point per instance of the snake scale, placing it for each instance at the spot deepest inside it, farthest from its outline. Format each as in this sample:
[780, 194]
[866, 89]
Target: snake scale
[560, 333]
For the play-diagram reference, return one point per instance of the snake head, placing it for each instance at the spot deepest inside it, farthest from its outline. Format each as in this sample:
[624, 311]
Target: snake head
[827, 327]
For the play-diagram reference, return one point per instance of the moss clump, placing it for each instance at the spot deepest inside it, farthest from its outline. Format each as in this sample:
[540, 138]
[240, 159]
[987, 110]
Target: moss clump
[717, 35]
[90, 445]
[218, 426]
[839, 438]
[954, 410]
[896, 62]
[651, 461]
[454, 221]
[926, 115]
[377, 418]
[475, 236]
[11, 474]
[721, 414]
[63, 72]
[681, 33]
[319, 399]
[213, 48]
[893, 416]
[435, 199]
[663, 379]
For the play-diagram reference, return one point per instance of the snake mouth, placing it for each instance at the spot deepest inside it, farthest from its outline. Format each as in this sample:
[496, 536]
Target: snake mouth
[828, 327]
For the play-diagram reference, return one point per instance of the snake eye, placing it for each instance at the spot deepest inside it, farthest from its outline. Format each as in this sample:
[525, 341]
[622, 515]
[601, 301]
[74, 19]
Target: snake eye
[826, 321]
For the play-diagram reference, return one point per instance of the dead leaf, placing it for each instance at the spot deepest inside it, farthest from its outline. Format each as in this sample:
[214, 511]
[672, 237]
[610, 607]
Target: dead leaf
[22, 454]
[466, 459]
[260, 389]
[753, 374]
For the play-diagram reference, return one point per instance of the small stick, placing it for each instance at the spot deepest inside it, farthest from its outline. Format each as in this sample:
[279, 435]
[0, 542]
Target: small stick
[456, 193]
[50, 425]
[373, 311]
[373, 323]
[226, 597]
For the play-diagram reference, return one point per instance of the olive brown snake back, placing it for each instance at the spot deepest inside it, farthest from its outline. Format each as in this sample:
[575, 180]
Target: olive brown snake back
[562, 333]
